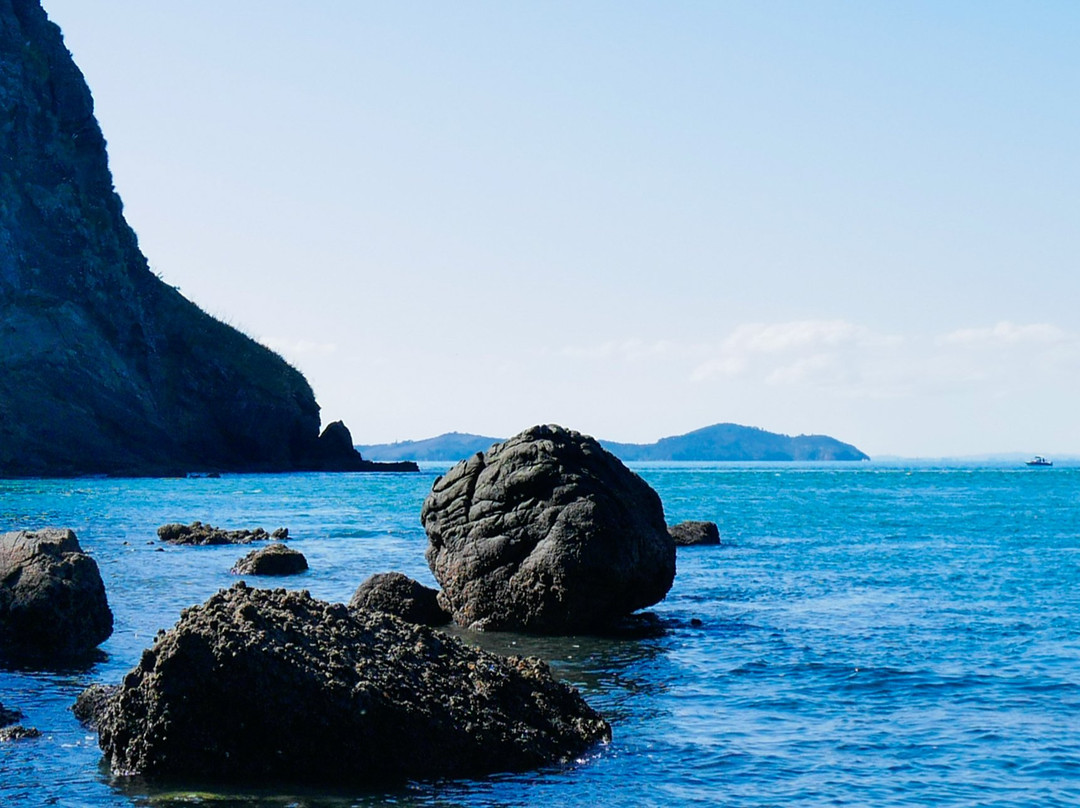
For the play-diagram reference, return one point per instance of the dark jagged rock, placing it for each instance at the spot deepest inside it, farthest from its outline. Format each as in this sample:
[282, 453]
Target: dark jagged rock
[199, 534]
[92, 702]
[689, 533]
[274, 559]
[105, 368]
[18, 733]
[337, 453]
[9, 716]
[400, 595]
[52, 599]
[257, 684]
[547, 532]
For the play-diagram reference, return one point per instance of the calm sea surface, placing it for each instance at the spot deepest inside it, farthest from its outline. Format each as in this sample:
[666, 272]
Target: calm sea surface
[871, 635]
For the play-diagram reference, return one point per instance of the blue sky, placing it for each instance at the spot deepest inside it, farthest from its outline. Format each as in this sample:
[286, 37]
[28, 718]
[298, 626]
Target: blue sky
[634, 219]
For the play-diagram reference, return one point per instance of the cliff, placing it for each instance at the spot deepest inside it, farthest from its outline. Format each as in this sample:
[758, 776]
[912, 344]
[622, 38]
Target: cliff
[103, 367]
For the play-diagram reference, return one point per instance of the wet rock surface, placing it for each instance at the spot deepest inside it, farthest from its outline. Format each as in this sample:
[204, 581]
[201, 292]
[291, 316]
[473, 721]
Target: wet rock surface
[275, 559]
[199, 534]
[92, 702]
[52, 598]
[260, 684]
[692, 533]
[18, 733]
[400, 595]
[547, 532]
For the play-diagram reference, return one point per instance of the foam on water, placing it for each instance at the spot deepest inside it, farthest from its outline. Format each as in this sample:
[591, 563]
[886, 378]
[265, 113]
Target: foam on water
[870, 636]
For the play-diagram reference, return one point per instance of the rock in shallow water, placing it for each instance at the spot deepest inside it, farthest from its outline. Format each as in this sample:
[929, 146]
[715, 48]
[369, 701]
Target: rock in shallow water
[274, 559]
[686, 534]
[52, 598]
[18, 733]
[199, 534]
[400, 595]
[547, 532]
[272, 684]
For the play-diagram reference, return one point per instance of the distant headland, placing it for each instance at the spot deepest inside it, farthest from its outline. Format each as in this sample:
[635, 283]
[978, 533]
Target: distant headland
[718, 442]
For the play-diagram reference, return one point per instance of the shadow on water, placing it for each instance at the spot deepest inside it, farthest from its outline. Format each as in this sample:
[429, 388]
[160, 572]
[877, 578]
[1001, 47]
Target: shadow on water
[162, 795]
[139, 791]
[69, 664]
[617, 675]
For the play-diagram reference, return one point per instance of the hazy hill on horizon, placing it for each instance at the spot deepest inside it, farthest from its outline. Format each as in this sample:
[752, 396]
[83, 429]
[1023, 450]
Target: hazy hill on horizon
[717, 442]
[448, 446]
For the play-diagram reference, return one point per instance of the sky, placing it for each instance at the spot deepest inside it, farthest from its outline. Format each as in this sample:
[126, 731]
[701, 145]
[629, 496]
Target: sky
[634, 219]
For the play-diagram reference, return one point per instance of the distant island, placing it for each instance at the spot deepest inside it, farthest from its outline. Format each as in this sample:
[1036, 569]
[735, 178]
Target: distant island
[716, 442]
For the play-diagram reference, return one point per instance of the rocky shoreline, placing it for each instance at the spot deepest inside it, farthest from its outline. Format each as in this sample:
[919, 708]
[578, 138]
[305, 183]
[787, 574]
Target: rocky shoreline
[545, 534]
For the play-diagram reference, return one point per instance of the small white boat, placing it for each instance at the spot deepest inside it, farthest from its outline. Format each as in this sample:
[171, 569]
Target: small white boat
[1039, 460]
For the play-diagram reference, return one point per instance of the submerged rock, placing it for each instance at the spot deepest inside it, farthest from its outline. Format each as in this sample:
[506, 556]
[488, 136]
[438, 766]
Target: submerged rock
[9, 716]
[400, 595]
[547, 532]
[690, 533]
[199, 534]
[52, 598]
[274, 559]
[258, 684]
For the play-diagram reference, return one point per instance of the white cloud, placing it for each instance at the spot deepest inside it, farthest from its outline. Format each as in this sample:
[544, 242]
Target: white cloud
[809, 369]
[794, 336]
[814, 352]
[850, 360]
[1007, 333]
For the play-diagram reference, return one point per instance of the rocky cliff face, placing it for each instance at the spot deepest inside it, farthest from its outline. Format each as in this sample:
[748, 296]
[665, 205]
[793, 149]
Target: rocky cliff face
[104, 368]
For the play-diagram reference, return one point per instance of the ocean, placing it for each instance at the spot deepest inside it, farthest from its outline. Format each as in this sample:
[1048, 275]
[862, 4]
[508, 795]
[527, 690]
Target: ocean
[902, 634]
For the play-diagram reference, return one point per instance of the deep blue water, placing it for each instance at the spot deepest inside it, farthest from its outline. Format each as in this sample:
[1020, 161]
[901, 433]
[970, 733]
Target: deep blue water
[871, 635]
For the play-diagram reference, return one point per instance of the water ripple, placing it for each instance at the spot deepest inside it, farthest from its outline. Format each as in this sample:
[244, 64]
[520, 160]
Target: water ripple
[872, 636]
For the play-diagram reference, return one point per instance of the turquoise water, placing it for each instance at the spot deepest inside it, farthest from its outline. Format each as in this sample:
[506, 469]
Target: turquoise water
[870, 635]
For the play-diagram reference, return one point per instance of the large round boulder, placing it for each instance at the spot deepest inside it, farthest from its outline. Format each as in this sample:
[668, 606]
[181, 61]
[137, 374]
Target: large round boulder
[52, 598]
[256, 684]
[548, 533]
